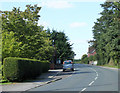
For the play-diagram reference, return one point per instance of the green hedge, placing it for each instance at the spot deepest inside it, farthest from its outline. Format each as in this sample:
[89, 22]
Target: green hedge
[18, 69]
[45, 66]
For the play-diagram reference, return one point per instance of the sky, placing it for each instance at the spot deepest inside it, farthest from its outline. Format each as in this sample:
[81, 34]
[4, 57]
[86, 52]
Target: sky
[75, 17]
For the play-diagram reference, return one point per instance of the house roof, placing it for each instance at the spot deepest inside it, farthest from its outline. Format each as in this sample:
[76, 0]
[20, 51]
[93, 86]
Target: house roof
[91, 49]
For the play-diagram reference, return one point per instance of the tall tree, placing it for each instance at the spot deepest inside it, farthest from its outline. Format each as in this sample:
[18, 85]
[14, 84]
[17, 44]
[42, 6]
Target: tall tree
[63, 49]
[22, 35]
[107, 35]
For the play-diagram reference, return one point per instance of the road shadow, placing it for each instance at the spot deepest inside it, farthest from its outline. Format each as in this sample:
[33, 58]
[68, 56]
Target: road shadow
[44, 77]
[73, 72]
[83, 65]
[85, 72]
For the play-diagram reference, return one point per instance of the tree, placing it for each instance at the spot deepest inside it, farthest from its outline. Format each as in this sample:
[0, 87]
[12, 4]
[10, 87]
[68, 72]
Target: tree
[22, 37]
[63, 49]
[107, 35]
[84, 59]
[10, 47]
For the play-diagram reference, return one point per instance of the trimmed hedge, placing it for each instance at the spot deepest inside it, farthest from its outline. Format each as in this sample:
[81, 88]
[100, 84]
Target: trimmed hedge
[18, 69]
[45, 67]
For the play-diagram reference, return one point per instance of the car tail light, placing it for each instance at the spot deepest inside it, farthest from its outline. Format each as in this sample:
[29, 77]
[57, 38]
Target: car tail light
[63, 63]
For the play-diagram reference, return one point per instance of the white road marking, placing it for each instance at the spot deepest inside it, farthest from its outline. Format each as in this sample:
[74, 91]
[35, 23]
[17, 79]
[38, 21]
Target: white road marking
[97, 74]
[95, 71]
[83, 89]
[91, 83]
[96, 78]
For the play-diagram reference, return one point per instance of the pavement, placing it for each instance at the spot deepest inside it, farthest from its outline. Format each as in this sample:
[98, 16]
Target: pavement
[45, 78]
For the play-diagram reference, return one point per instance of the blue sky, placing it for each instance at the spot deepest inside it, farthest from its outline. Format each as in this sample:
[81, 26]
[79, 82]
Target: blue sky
[75, 17]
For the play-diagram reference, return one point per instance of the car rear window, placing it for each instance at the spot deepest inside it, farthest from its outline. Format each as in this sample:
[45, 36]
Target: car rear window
[67, 62]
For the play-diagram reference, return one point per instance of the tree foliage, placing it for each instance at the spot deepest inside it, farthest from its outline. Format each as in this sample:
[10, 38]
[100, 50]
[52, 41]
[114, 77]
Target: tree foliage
[63, 49]
[84, 59]
[106, 33]
[22, 37]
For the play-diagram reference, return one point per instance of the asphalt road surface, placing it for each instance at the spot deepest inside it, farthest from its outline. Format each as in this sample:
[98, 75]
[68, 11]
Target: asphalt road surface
[85, 78]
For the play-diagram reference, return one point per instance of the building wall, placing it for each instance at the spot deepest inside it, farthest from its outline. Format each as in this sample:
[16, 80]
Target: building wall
[91, 54]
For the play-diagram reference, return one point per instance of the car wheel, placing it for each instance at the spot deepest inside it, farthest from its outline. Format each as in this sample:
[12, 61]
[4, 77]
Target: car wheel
[72, 69]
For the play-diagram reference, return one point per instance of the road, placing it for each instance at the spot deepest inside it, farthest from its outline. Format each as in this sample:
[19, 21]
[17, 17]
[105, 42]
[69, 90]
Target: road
[85, 78]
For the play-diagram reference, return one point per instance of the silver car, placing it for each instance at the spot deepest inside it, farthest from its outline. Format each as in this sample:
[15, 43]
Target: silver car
[68, 65]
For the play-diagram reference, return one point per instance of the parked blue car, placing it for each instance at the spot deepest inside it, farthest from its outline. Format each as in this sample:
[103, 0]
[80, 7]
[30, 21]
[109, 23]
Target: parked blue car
[68, 65]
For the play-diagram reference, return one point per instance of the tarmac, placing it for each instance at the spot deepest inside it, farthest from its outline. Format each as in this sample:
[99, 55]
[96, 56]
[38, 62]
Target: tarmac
[43, 79]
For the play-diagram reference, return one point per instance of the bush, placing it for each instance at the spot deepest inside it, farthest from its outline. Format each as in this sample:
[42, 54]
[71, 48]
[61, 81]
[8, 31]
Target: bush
[18, 69]
[45, 66]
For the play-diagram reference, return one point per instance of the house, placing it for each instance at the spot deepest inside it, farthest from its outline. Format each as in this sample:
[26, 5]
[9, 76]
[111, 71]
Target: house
[92, 52]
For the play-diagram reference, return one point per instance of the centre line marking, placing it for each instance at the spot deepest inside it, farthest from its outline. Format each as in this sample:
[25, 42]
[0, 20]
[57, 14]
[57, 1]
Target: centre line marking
[97, 74]
[83, 89]
[91, 83]
[95, 71]
[96, 78]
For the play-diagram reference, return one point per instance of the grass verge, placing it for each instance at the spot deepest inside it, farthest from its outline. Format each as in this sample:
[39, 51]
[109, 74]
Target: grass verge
[4, 82]
[110, 66]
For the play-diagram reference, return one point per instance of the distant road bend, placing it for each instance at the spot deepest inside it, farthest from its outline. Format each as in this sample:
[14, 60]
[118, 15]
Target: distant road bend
[85, 78]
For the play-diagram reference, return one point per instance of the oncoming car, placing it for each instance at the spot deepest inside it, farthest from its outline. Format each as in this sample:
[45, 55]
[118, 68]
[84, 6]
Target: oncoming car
[68, 65]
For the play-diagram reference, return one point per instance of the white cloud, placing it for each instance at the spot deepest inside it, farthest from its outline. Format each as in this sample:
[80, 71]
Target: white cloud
[57, 4]
[78, 24]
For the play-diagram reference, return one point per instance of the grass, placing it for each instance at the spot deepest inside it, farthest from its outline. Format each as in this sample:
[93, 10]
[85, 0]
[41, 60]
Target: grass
[110, 66]
[4, 82]
[76, 61]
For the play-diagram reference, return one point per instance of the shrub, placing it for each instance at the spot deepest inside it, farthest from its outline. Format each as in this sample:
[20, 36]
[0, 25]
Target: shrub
[45, 66]
[18, 69]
